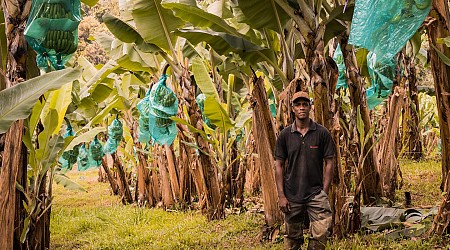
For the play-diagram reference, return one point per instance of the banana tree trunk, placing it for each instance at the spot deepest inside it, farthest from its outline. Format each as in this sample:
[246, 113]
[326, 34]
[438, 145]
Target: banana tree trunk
[39, 234]
[183, 164]
[205, 169]
[387, 156]
[123, 180]
[173, 173]
[252, 176]
[320, 71]
[371, 188]
[265, 139]
[411, 137]
[153, 187]
[12, 167]
[110, 176]
[142, 181]
[167, 195]
[439, 27]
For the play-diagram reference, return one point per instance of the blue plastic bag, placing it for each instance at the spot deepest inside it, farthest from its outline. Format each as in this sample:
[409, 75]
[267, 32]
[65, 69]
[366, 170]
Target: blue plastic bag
[115, 132]
[384, 26]
[52, 31]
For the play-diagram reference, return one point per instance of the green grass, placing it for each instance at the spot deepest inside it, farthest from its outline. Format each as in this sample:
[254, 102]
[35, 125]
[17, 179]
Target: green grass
[422, 180]
[97, 220]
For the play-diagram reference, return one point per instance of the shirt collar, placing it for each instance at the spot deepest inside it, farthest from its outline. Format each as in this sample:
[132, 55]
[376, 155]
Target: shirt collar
[312, 126]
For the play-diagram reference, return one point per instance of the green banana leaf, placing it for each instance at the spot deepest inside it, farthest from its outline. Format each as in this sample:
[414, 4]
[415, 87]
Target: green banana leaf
[155, 23]
[199, 18]
[96, 76]
[220, 8]
[101, 92]
[72, 141]
[414, 44]
[104, 40]
[59, 100]
[127, 34]
[217, 115]
[90, 2]
[63, 180]
[135, 60]
[441, 55]
[203, 80]
[49, 145]
[118, 103]
[445, 41]
[120, 29]
[224, 43]
[243, 117]
[16, 102]
[220, 41]
[264, 16]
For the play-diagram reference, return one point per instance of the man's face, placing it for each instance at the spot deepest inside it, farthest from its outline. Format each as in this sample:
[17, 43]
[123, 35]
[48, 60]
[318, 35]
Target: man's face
[301, 109]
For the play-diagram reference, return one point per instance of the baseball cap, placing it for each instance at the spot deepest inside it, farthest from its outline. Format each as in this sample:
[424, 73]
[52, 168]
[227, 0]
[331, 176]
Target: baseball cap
[301, 94]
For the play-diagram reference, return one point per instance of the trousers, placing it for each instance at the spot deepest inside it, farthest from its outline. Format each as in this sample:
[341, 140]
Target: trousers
[319, 213]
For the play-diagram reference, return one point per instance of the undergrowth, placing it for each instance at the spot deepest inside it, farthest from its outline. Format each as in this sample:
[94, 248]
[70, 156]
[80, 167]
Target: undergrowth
[97, 220]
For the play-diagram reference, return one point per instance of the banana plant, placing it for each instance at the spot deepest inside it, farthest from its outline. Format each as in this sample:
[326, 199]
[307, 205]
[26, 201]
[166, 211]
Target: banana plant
[44, 143]
[227, 130]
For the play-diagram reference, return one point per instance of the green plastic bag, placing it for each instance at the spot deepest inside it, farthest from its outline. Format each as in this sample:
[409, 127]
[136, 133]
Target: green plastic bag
[95, 153]
[83, 158]
[272, 104]
[384, 26]
[163, 130]
[164, 104]
[115, 132]
[382, 74]
[144, 109]
[339, 59]
[52, 31]
[163, 99]
[69, 157]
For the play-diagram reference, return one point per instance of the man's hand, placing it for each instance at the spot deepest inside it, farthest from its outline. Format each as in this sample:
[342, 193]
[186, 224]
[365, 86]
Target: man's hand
[283, 203]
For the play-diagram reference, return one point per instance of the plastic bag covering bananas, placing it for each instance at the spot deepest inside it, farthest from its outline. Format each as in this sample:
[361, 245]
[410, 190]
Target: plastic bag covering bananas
[59, 40]
[95, 153]
[156, 108]
[144, 109]
[69, 157]
[83, 158]
[115, 132]
[54, 11]
[163, 101]
[52, 31]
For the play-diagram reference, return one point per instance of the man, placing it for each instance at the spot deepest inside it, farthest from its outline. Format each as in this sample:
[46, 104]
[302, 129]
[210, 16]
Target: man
[304, 185]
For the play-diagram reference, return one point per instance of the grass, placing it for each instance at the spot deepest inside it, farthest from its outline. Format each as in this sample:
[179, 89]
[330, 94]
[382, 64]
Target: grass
[422, 180]
[98, 220]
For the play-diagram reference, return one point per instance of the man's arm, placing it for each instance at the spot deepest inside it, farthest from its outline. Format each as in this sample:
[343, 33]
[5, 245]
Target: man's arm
[279, 173]
[328, 174]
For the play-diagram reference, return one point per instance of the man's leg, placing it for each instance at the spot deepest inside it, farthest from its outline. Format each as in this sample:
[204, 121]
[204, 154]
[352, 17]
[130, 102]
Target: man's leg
[293, 239]
[319, 212]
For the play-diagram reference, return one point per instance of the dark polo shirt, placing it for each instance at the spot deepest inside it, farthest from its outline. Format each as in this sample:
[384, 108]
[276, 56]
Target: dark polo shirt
[303, 177]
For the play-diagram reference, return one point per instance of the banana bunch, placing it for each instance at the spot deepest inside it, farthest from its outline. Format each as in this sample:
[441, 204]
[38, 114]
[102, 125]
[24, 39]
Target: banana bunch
[60, 41]
[71, 155]
[96, 151]
[54, 11]
[163, 122]
[165, 96]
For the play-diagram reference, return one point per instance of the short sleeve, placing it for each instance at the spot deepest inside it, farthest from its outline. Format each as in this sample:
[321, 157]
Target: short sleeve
[280, 147]
[328, 146]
